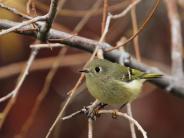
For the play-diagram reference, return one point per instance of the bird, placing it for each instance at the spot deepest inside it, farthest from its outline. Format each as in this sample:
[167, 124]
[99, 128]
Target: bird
[112, 83]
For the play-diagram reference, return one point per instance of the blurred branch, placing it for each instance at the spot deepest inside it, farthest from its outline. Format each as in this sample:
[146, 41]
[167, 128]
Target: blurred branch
[104, 15]
[135, 29]
[14, 93]
[42, 64]
[181, 3]
[176, 39]
[13, 10]
[151, 13]
[124, 12]
[31, 7]
[81, 13]
[22, 77]
[86, 17]
[42, 94]
[115, 55]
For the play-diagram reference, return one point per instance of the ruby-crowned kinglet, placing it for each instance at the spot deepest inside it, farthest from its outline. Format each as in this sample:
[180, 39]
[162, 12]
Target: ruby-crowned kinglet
[112, 83]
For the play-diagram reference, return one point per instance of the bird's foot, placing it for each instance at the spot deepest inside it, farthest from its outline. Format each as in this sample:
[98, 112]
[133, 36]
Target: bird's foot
[92, 111]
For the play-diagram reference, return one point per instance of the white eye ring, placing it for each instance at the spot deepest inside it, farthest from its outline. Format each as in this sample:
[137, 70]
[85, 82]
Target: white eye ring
[98, 69]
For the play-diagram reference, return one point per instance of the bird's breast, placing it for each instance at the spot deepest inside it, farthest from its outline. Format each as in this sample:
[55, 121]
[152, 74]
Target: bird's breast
[112, 91]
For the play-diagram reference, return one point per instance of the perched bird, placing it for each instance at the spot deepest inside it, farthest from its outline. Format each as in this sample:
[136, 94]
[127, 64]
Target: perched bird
[112, 83]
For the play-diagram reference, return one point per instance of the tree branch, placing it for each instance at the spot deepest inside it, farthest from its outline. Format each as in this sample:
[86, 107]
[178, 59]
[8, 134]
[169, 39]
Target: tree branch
[116, 55]
[43, 33]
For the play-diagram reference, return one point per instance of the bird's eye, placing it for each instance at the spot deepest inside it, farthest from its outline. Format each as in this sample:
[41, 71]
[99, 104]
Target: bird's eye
[98, 69]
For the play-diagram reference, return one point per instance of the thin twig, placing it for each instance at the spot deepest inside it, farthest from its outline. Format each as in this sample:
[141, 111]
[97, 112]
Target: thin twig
[24, 23]
[132, 128]
[65, 105]
[141, 28]
[15, 11]
[20, 81]
[127, 117]
[124, 12]
[22, 77]
[104, 15]
[110, 16]
[135, 29]
[47, 45]
[90, 128]
[88, 109]
[71, 115]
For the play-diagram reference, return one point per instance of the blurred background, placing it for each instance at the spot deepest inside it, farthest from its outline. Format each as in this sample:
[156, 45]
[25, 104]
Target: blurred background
[159, 113]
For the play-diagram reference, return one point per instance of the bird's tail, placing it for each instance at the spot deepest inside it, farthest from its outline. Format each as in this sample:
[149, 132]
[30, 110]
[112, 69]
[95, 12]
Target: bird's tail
[151, 76]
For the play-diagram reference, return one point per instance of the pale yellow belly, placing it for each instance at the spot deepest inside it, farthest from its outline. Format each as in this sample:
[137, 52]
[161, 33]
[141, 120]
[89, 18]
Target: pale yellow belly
[114, 92]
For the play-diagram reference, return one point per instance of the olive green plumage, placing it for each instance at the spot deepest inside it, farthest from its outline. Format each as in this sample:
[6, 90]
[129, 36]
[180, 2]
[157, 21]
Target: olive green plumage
[112, 83]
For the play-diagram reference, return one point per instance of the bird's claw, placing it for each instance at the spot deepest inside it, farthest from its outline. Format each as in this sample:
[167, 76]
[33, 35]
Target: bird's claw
[90, 112]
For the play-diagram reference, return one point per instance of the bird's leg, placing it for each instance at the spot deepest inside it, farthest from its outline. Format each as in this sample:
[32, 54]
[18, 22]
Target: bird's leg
[90, 110]
[122, 106]
[99, 106]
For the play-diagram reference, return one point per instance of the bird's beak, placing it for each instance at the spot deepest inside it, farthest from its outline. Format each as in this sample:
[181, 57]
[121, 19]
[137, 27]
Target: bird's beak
[84, 70]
